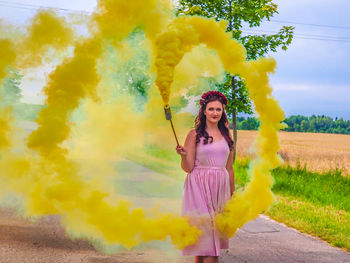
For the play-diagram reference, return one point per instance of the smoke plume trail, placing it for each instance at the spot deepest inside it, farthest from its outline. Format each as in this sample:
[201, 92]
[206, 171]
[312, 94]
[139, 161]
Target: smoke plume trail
[53, 182]
[46, 31]
[49, 174]
[8, 56]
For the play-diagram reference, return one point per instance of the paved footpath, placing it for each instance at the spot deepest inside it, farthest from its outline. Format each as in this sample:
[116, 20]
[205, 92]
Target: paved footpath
[265, 240]
[261, 240]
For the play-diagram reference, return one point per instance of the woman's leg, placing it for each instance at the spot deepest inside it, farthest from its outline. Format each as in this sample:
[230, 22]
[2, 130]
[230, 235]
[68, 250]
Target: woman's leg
[211, 260]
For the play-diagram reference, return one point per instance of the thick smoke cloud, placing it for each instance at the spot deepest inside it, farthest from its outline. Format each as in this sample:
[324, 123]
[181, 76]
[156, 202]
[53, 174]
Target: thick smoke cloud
[93, 117]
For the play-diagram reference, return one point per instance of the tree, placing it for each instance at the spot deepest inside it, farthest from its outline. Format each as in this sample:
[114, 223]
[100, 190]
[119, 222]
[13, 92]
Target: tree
[10, 92]
[319, 124]
[304, 126]
[238, 12]
[250, 123]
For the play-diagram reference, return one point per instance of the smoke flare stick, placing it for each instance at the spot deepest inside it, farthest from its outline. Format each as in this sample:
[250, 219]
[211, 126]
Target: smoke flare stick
[167, 111]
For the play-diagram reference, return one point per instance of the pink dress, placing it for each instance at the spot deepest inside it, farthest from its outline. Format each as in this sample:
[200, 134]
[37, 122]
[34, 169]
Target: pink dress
[206, 190]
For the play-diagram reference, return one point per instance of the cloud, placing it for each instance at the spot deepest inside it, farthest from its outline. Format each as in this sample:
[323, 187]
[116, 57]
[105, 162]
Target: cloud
[340, 93]
[21, 13]
[313, 98]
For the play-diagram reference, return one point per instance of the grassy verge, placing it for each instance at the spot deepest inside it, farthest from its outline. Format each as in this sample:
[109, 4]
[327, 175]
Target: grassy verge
[325, 222]
[313, 203]
[322, 189]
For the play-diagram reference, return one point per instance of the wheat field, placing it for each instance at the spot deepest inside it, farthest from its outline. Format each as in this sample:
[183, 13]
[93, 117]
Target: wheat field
[317, 151]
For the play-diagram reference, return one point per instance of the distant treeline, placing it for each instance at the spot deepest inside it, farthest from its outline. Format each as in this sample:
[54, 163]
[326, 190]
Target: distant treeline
[299, 123]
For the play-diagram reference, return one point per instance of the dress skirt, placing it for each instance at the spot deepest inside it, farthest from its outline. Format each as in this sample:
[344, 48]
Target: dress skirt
[206, 190]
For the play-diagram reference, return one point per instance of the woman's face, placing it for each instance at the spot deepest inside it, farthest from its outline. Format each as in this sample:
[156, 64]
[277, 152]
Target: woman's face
[213, 111]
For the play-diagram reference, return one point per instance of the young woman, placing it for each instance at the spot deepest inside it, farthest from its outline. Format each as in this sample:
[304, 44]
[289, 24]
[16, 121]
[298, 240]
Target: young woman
[207, 157]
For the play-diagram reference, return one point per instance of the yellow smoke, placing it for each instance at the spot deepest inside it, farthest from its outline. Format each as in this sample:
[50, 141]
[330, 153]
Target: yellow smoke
[46, 31]
[66, 166]
[8, 56]
[50, 182]
[182, 36]
[115, 19]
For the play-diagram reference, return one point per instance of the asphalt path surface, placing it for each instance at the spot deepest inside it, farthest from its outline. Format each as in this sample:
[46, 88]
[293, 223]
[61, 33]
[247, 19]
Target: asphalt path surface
[265, 240]
[262, 240]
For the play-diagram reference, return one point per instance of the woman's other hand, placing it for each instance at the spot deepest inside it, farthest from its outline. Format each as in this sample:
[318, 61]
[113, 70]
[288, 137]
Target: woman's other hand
[181, 150]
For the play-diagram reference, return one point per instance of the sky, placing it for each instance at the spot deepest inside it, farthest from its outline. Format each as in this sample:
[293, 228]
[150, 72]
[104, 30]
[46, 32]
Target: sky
[312, 75]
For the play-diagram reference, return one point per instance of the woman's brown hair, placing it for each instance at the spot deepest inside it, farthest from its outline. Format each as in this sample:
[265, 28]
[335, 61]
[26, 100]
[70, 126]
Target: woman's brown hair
[200, 121]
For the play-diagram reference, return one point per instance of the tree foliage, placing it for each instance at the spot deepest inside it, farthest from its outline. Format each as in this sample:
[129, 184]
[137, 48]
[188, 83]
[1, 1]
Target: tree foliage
[10, 91]
[321, 124]
[239, 14]
[250, 123]
[131, 69]
[11, 95]
[299, 123]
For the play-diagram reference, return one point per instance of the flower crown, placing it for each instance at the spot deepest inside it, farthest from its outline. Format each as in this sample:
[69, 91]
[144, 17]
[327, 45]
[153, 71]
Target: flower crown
[212, 94]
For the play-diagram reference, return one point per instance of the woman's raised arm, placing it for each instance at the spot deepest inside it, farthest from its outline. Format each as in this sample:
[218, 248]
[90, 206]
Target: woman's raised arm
[188, 152]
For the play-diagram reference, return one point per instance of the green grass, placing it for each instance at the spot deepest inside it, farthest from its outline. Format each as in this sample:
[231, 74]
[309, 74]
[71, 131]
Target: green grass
[325, 222]
[323, 189]
[330, 188]
[314, 203]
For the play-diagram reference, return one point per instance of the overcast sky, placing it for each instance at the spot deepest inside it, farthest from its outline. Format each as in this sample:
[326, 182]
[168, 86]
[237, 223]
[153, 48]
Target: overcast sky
[312, 75]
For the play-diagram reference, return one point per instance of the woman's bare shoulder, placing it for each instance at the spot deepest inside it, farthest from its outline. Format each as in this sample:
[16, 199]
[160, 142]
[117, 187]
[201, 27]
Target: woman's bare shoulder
[192, 133]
